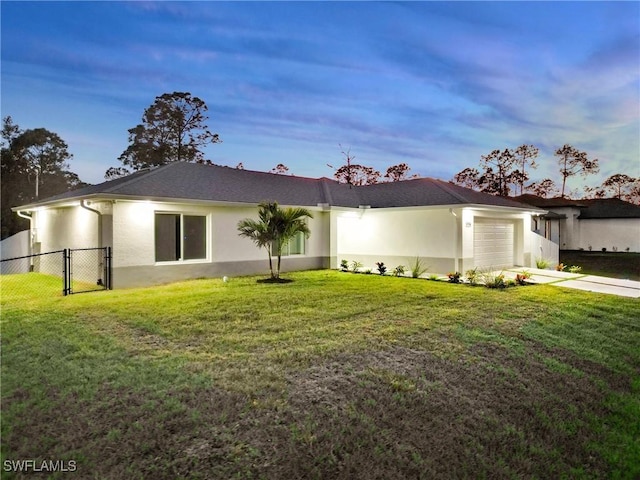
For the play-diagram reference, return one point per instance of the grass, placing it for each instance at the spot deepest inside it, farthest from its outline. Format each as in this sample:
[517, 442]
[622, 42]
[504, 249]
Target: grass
[330, 376]
[610, 264]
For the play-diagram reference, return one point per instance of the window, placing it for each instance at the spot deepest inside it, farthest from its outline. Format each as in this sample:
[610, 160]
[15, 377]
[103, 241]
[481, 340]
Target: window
[180, 237]
[295, 246]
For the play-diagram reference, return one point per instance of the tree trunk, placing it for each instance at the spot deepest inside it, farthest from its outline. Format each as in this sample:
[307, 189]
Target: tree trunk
[270, 263]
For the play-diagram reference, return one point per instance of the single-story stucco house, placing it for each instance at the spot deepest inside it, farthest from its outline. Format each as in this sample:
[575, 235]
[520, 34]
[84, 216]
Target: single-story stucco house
[179, 221]
[591, 224]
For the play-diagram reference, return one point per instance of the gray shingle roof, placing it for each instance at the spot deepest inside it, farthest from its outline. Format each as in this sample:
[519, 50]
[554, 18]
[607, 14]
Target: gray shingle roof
[191, 181]
[609, 208]
[589, 208]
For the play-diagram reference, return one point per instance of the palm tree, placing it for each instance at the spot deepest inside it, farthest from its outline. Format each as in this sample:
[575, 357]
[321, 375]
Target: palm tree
[274, 228]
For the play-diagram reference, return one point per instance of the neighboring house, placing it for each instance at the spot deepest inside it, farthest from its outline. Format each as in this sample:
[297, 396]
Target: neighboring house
[591, 224]
[179, 221]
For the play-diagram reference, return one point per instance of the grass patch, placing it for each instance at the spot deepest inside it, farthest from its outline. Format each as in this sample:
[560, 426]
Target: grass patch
[608, 264]
[331, 376]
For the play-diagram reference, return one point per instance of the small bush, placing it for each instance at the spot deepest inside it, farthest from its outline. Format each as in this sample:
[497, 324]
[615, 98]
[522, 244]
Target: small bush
[541, 263]
[575, 269]
[355, 266]
[382, 269]
[604, 249]
[344, 265]
[454, 277]
[417, 268]
[398, 271]
[433, 277]
[491, 280]
[561, 267]
[472, 276]
[367, 271]
[522, 277]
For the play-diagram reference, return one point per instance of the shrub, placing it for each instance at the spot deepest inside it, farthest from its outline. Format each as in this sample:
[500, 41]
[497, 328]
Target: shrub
[398, 271]
[382, 269]
[433, 277]
[344, 265]
[454, 277]
[472, 276]
[355, 266]
[417, 268]
[561, 267]
[604, 249]
[541, 263]
[492, 280]
[367, 271]
[522, 277]
[575, 269]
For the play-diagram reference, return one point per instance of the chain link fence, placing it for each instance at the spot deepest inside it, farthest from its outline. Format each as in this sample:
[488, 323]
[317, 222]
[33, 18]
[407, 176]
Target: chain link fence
[33, 275]
[62, 272]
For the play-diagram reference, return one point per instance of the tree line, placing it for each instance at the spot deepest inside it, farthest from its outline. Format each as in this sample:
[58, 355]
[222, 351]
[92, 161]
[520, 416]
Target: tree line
[34, 165]
[506, 172]
[174, 129]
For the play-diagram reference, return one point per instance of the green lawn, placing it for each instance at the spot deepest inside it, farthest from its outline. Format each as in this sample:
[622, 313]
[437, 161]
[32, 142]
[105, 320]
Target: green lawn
[334, 375]
[608, 264]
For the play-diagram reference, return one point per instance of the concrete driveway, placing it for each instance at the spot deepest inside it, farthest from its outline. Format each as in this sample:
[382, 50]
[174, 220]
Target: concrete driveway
[579, 281]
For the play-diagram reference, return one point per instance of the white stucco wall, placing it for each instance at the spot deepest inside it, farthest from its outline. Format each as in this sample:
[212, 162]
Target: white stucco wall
[445, 240]
[395, 232]
[65, 227]
[134, 233]
[621, 233]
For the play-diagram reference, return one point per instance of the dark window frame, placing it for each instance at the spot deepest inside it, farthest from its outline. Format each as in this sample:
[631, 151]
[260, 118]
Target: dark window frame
[180, 237]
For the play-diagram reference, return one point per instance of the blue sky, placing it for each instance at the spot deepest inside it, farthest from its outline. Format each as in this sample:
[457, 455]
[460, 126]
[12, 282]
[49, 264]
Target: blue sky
[432, 84]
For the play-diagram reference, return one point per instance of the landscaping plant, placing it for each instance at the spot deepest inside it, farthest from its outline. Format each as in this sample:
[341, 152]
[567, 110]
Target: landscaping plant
[454, 277]
[398, 271]
[356, 266]
[472, 276]
[417, 268]
[493, 280]
[522, 277]
[274, 228]
[344, 265]
[541, 263]
[382, 269]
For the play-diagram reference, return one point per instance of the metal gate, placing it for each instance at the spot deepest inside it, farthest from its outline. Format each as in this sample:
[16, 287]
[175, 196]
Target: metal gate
[86, 270]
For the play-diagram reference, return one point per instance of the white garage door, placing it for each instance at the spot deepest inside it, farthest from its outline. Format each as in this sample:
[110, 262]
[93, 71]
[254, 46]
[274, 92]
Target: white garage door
[493, 243]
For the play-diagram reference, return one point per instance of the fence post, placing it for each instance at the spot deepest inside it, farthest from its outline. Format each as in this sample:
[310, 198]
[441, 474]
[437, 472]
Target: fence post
[107, 268]
[66, 271]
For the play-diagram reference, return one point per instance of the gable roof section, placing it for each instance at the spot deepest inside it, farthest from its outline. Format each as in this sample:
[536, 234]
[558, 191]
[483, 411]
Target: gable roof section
[609, 208]
[589, 208]
[549, 202]
[189, 181]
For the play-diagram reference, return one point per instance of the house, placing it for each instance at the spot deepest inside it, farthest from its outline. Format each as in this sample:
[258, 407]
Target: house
[179, 221]
[591, 224]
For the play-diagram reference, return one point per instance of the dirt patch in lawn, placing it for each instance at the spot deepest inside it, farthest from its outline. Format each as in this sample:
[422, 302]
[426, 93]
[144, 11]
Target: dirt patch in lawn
[398, 413]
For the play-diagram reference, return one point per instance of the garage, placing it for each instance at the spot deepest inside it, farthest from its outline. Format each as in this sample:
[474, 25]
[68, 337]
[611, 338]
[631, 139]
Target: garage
[493, 243]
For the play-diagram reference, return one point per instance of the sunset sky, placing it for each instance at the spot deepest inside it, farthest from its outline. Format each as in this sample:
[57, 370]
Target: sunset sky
[432, 84]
